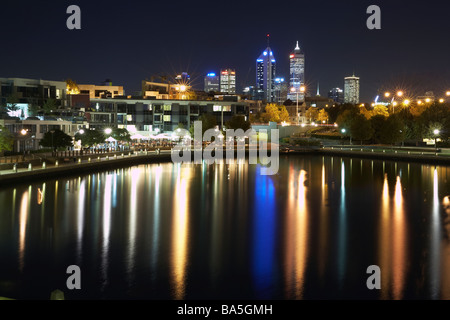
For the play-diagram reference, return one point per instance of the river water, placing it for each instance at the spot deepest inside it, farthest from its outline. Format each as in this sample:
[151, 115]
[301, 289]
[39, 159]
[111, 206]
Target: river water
[166, 231]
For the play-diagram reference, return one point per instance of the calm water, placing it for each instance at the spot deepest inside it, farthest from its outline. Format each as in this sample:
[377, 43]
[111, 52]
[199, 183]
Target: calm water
[226, 232]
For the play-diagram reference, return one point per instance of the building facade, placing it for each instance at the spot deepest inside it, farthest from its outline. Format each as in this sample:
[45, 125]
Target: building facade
[281, 90]
[351, 90]
[265, 76]
[146, 116]
[33, 91]
[337, 95]
[228, 81]
[212, 82]
[297, 74]
[98, 92]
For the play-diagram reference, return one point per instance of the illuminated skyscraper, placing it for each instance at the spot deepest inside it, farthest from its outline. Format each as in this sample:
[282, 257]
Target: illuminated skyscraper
[351, 90]
[212, 82]
[265, 76]
[297, 74]
[228, 81]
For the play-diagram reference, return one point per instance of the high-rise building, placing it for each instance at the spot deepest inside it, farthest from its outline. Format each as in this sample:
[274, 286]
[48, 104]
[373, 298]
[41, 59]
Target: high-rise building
[351, 90]
[337, 95]
[212, 82]
[265, 76]
[228, 81]
[297, 74]
[280, 90]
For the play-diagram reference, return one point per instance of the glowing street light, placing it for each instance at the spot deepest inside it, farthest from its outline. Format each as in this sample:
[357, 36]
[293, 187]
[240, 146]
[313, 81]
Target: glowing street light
[406, 102]
[81, 131]
[400, 94]
[387, 94]
[24, 132]
[436, 132]
[428, 100]
[447, 93]
[108, 131]
[441, 100]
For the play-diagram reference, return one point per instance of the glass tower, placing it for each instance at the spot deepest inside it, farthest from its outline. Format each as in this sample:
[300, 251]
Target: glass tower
[351, 90]
[265, 76]
[297, 74]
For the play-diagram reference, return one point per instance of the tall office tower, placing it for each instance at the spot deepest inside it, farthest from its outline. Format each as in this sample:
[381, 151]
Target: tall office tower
[337, 95]
[212, 82]
[351, 90]
[228, 81]
[265, 76]
[280, 90]
[297, 72]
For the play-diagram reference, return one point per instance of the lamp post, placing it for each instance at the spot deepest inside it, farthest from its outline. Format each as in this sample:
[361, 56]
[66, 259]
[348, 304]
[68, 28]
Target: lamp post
[436, 135]
[53, 150]
[302, 89]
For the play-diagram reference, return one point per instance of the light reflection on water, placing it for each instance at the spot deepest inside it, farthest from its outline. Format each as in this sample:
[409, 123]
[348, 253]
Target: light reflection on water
[225, 231]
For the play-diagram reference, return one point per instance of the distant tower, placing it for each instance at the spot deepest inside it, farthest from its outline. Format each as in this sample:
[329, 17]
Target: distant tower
[351, 90]
[265, 75]
[297, 73]
[318, 89]
[212, 82]
[228, 81]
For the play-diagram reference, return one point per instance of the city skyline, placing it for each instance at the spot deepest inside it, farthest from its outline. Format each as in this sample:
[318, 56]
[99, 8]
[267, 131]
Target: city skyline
[402, 54]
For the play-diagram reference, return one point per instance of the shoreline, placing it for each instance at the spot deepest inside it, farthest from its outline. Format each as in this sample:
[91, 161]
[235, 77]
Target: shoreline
[128, 161]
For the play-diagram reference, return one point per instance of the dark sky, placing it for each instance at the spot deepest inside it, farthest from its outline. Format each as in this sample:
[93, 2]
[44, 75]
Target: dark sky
[128, 41]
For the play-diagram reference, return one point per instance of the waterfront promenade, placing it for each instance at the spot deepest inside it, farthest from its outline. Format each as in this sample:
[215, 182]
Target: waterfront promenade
[54, 167]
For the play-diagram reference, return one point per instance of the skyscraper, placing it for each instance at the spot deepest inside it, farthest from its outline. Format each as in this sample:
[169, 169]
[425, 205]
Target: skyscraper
[228, 81]
[265, 76]
[280, 90]
[351, 90]
[212, 82]
[337, 95]
[297, 74]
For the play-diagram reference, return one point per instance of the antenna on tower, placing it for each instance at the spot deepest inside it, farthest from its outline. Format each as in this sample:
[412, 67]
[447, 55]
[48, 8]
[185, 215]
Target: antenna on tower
[268, 40]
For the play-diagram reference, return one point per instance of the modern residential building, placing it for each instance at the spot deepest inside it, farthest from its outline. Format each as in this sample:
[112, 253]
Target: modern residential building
[145, 116]
[33, 91]
[36, 128]
[351, 90]
[265, 76]
[297, 74]
[337, 95]
[101, 91]
[165, 91]
[228, 81]
[212, 82]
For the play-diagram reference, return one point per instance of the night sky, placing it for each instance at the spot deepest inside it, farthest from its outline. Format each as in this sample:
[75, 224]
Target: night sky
[128, 41]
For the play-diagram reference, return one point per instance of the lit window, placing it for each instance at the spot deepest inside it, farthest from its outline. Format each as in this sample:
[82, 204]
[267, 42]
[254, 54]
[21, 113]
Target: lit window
[167, 118]
[167, 107]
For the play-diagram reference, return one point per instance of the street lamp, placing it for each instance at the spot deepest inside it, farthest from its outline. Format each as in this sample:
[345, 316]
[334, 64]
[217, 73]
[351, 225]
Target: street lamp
[436, 132]
[108, 131]
[302, 89]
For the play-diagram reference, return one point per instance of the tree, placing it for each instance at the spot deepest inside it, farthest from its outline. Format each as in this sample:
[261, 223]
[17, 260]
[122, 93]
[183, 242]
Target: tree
[120, 135]
[377, 123]
[284, 114]
[272, 113]
[49, 106]
[57, 139]
[361, 128]
[6, 140]
[208, 122]
[91, 138]
[393, 131]
[33, 110]
[72, 87]
[322, 117]
[238, 122]
[380, 110]
[312, 114]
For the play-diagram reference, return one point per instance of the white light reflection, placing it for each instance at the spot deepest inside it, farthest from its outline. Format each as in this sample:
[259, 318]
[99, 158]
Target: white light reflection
[106, 228]
[80, 218]
[134, 180]
[23, 219]
[180, 235]
[435, 245]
